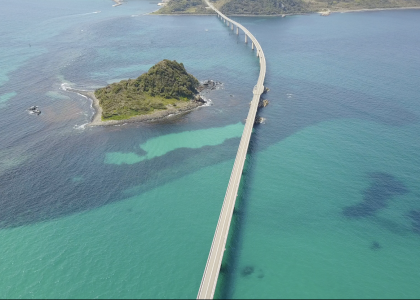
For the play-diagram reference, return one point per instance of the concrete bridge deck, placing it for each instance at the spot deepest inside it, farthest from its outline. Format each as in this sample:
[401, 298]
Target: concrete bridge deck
[214, 261]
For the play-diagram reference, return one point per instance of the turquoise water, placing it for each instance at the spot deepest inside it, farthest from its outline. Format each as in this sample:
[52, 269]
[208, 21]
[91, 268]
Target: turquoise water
[326, 205]
[161, 145]
[5, 97]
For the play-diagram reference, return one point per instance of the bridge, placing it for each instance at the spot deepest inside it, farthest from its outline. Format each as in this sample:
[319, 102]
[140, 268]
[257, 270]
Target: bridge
[214, 261]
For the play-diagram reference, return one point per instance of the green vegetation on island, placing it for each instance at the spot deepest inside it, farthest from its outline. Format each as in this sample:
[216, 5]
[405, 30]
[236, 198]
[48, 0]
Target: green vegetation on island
[185, 7]
[279, 7]
[166, 84]
[263, 7]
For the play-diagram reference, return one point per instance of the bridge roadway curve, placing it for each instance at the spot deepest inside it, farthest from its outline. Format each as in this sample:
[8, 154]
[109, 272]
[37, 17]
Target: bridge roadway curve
[214, 261]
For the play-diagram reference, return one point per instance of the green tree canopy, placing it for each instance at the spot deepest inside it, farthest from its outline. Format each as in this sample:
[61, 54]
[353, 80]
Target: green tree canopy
[165, 83]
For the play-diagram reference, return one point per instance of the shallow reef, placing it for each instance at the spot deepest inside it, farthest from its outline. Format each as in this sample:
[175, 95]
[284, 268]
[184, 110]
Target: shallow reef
[414, 215]
[382, 189]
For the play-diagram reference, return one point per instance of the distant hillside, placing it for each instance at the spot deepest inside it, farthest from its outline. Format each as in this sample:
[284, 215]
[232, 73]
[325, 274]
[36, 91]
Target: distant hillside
[166, 83]
[279, 7]
[263, 7]
[185, 7]
[360, 4]
[246, 7]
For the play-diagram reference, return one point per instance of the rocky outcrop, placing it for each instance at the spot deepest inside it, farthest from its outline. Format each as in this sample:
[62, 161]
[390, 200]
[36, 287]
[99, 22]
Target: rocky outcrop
[34, 110]
[199, 99]
[263, 103]
[259, 120]
[209, 85]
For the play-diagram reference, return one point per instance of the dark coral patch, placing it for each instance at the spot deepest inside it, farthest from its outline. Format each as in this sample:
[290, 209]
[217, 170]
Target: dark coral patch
[383, 187]
[248, 270]
[260, 274]
[414, 215]
[375, 246]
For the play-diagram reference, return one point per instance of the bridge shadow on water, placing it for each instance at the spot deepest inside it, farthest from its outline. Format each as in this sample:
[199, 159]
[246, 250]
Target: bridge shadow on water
[230, 264]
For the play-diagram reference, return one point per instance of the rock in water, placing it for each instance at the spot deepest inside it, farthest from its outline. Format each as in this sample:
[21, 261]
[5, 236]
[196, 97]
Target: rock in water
[375, 246]
[259, 120]
[248, 270]
[263, 103]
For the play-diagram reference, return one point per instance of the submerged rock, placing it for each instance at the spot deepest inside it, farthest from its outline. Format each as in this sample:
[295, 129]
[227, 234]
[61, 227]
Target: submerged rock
[375, 246]
[260, 274]
[414, 215]
[247, 270]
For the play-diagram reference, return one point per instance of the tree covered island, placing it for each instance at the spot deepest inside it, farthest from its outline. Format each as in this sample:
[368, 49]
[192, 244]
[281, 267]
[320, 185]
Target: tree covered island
[165, 89]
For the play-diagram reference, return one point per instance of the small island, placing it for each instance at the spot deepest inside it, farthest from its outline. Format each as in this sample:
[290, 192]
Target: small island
[166, 89]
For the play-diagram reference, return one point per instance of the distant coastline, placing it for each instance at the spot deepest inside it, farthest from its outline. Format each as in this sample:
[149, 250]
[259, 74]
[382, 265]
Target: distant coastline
[266, 8]
[373, 9]
[281, 15]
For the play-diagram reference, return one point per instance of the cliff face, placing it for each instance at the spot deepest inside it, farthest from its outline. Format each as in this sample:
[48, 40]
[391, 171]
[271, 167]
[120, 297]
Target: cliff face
[166, 83]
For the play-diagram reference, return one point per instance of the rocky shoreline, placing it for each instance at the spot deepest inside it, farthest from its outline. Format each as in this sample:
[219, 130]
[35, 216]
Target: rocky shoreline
[154, 116]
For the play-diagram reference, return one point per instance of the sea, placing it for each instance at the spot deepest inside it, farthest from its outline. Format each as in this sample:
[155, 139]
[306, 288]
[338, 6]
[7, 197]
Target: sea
[329, 204]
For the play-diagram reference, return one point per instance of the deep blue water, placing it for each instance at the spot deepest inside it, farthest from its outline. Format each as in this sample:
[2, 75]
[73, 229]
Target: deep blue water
[330, 197]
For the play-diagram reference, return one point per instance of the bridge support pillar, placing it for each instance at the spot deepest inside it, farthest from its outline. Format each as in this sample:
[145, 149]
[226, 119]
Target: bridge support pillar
[237, 30]
[252, 46]
[246, 39]
[232, 27]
